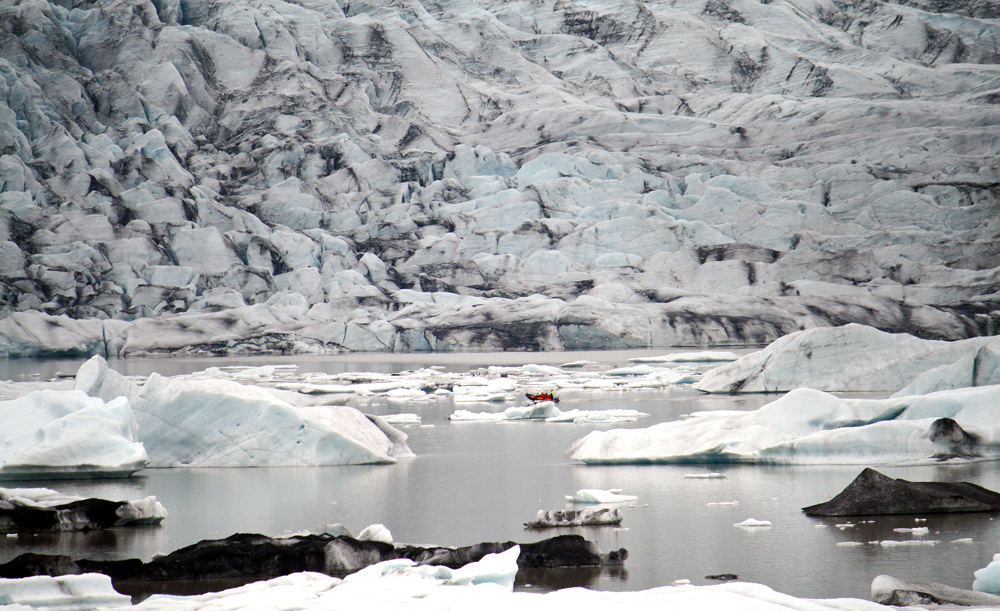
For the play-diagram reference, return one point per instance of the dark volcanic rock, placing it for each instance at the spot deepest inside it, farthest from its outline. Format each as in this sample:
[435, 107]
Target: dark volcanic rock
[251, 556]
[873, 493]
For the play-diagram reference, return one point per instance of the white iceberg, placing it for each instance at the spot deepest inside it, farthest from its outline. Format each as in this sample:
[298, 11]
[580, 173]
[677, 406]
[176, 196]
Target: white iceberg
[593, 495]
[66, 434]
[375, 532]
[69, 592]
[988, 577]
[810, 426]
[210, 422]
[849, 358]
[753, 523]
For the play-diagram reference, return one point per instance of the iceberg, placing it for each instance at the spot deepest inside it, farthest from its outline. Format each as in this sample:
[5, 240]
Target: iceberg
[219, 423]
[45, 510]
[590, 516]
[988, 577]
[69, 592]
[213, 422]
[813, 427]
[593, 495]
[58, 434]
[851, 358]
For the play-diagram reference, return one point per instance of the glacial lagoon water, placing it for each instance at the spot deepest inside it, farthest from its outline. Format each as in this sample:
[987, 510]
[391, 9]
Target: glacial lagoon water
[479, 481]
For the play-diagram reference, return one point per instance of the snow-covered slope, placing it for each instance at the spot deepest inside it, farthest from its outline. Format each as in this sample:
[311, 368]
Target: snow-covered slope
[234, 176]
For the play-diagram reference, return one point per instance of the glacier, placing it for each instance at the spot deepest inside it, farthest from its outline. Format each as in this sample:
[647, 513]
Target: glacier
[233, 177]
[809, 426]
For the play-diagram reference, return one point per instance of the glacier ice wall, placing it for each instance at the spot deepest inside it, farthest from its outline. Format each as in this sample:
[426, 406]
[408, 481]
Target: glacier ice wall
[241, 176]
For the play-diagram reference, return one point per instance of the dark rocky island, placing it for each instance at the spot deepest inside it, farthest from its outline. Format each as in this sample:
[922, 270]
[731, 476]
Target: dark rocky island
[873, 493]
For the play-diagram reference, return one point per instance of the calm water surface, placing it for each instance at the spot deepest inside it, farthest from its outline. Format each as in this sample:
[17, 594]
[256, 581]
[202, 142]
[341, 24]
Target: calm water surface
[479, 481]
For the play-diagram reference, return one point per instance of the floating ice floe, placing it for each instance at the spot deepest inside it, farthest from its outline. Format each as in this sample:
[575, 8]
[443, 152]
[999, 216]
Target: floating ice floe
[402, 418]
[754, 523]
[209, 422]
[858, 358]
[705, 476]
[45, 510]
[589, 516]
[548, 412]
[918, 531]
[809, 426]
[704, 356]
[723, 504]
[910, 543]
[69, 592]
[593, 495]
[66, 434]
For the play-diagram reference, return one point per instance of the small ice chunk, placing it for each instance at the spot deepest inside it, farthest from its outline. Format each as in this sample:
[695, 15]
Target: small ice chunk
[376, 532]
[402, 419]
[849, 543]
[988, 577]
[593, 495]
[752, 523]
[705, 475]
[965, 540]
[681, 582]
[918, 531]
[914, 542]
[845, 525]
[723, 504]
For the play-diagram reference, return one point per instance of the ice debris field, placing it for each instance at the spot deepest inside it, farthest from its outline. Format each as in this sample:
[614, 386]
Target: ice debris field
[110, 425]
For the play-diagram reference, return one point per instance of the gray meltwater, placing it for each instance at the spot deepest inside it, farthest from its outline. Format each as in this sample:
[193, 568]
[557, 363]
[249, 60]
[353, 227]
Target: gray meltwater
[480, 481]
